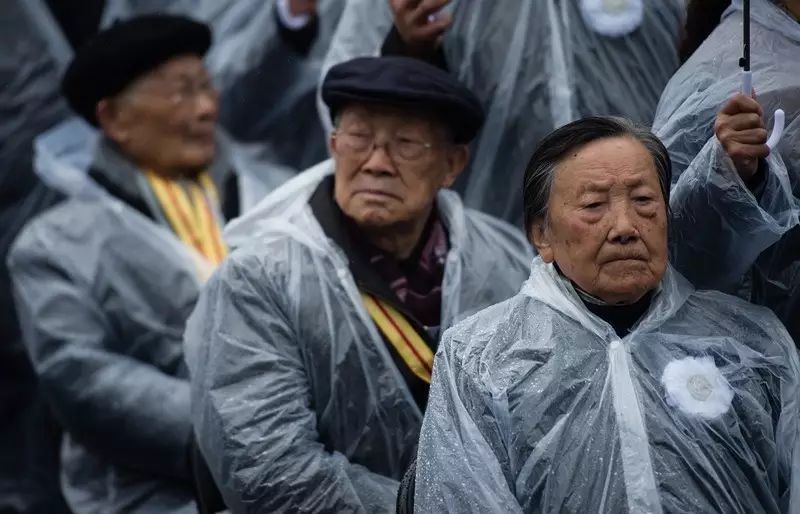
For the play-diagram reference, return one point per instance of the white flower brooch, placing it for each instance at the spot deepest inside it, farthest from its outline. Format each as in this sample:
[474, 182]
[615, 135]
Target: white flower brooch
[696, 386]
[612, 18]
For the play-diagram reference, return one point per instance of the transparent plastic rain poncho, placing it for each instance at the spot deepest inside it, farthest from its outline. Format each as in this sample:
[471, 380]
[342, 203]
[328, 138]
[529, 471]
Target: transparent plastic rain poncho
[296, 401]
[103, 294]
[537, 406]
[535, 65]
[33, 54]
[725, 237]
[268, 89]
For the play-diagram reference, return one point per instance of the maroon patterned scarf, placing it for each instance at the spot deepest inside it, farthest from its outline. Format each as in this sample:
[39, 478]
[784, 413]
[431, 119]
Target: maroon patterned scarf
[417, 280]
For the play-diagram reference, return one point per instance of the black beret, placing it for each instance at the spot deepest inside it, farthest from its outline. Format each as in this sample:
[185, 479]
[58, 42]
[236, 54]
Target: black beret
[117, 56]
[404, 82]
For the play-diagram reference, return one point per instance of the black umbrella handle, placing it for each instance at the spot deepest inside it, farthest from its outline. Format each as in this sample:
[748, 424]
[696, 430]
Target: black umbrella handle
[744, 61]
[779, 119]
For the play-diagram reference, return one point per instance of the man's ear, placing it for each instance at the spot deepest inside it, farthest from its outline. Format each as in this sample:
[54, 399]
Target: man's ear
[539, 235]
[457, 160]
[332, 143]
[112, 120]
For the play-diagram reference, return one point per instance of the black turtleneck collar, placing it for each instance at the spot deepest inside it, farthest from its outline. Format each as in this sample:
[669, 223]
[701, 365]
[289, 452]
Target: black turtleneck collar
[622, 318]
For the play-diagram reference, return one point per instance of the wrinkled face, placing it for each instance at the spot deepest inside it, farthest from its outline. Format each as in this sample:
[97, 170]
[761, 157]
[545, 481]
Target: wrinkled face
[390, 164]
[165, 120]
[607, 222]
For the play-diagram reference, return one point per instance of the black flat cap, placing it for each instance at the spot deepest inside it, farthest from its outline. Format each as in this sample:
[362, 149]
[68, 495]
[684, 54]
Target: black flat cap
[404, 82]
[117, 56]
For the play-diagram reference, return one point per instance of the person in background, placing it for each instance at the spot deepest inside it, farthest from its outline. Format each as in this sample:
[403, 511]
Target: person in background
[310, 350]
[267, 66]
[105, 280]
[609, 384]
[702, 17]
[265, 62]
[30, 103]
[78, 22]
[533, 65]
[735, 203]
[298, 23]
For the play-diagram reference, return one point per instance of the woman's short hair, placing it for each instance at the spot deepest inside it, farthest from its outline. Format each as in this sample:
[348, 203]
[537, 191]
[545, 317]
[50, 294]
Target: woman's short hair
[566, 140]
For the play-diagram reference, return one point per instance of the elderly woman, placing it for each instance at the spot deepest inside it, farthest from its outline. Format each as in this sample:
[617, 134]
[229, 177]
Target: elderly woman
[608, 384]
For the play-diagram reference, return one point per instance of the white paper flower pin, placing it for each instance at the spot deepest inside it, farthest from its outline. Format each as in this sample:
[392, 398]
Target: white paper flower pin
[696, 386]
[613, 18]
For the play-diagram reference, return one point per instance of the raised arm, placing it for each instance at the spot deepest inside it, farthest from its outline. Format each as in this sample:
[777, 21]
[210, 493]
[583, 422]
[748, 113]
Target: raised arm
[732, 202]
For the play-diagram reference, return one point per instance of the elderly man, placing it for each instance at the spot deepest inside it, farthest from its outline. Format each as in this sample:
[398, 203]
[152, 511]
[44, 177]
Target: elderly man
[608, 384]
[311, 348]
[266, 61]
[535, 65]
[105, 280]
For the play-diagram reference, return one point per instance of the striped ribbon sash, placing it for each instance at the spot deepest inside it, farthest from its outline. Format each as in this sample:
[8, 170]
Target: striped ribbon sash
[401, 335]
[189, 212]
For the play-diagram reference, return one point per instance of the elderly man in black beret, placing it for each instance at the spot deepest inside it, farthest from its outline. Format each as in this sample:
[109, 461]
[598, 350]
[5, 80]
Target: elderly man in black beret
[311, 348]
[105, 280]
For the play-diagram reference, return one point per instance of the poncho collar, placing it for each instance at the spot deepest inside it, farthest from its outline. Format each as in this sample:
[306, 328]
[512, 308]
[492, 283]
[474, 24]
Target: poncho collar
[551, 288]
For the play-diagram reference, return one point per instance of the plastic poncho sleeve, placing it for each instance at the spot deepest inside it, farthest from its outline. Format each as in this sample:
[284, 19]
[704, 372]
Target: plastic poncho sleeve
[252, 405]
[238, 25]
[128, 411]
[462, 465]
[276, 114]
[787, 430]
[784, 396]
[719, 226]
[361, 30]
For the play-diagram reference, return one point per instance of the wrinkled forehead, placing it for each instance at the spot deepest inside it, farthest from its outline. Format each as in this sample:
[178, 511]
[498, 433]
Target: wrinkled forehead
[376, 116]
[605, 164]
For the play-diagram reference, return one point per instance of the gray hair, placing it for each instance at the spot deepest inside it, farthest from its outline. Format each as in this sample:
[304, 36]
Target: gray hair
[560, 143]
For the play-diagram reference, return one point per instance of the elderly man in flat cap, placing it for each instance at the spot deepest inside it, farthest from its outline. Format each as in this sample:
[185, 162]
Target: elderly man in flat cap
[105, 280]
[311, 348]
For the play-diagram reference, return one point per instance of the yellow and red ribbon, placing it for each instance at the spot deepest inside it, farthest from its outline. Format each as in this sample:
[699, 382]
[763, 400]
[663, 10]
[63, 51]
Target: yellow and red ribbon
[401, 335]
[190, 213]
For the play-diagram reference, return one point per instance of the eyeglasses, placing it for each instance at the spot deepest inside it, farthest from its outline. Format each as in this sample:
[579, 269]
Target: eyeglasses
[399, 148]
[185, 92]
